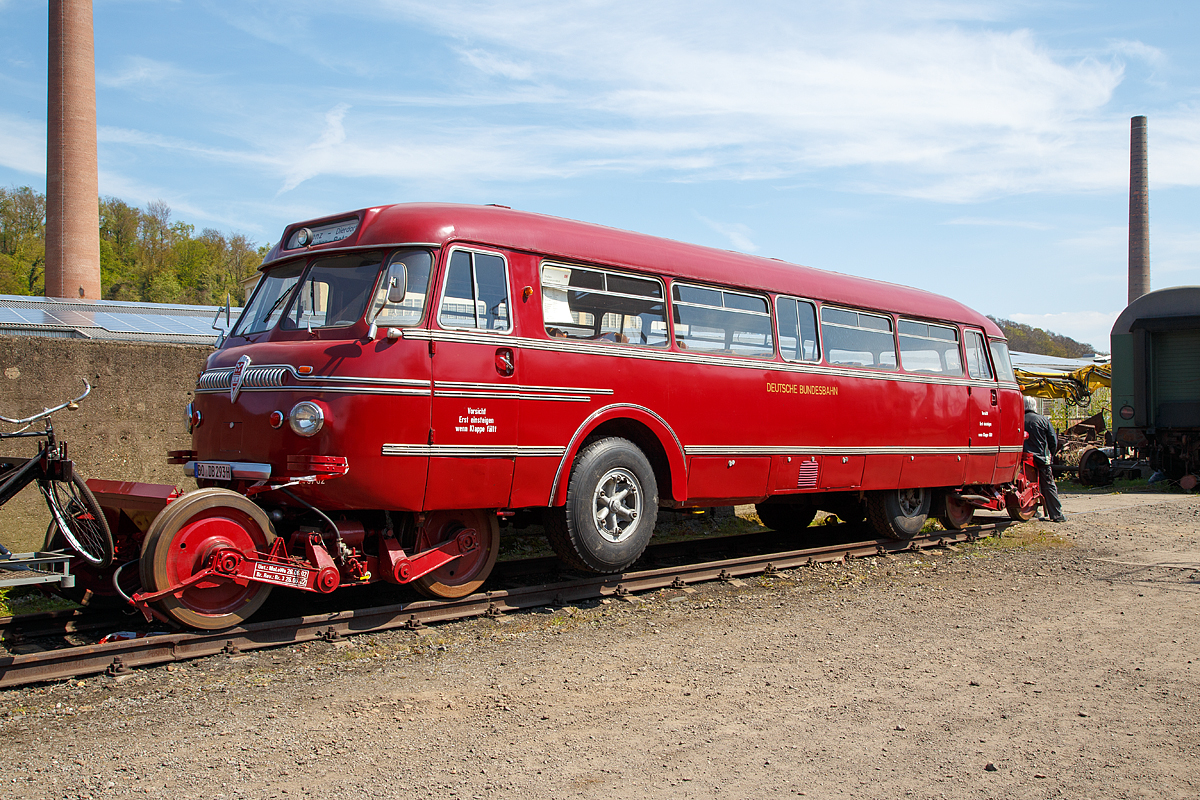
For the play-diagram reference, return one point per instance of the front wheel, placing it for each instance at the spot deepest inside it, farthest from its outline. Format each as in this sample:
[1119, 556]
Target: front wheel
[612, 506]
[181, 541]
[898, 513]
[80, 519]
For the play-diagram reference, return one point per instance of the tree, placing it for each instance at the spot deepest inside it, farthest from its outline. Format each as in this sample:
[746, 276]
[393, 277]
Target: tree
[1027, 339]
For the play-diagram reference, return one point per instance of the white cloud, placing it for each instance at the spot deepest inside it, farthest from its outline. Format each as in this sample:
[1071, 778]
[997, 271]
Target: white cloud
[986, 222]
[22, 145]
[737, 233]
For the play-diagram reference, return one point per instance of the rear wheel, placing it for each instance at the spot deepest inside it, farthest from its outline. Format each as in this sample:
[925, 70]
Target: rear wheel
[612, 506]
[898, 513]
[786, 517]
[80, 519]
[464, 575]
[179, 543]
[956, 512]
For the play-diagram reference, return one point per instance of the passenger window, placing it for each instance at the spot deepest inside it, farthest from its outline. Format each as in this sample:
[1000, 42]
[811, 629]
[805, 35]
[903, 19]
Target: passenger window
[417, 265]
[334, 293]
[797, 329]
[1000, 358]
[476, 293]
[926, 347]
[711, 320]
[602, 306]
[857, 339]
[977, 363]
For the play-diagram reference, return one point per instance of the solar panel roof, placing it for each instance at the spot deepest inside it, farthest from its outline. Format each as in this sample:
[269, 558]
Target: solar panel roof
[111, 319]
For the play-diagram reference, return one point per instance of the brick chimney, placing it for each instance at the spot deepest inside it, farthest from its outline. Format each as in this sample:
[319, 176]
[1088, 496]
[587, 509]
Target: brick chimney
[1139, 210]
[72, 186]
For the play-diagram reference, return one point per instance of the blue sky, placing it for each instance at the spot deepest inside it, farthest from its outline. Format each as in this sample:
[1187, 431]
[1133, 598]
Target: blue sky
[975, 149]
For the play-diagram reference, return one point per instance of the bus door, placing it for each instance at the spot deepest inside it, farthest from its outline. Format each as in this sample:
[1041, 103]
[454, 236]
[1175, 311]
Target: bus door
[983, 424]
[473, 428]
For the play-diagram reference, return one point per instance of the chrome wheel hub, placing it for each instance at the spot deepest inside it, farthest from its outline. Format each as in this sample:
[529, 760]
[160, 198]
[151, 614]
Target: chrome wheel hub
[617, 504]
[911, 501]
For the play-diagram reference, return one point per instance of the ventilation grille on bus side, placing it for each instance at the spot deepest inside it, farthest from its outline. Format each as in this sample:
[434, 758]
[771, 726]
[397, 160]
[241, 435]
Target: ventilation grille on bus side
[809, 472]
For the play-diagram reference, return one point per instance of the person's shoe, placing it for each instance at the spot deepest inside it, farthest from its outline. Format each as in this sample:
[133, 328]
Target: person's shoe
[1062, 518]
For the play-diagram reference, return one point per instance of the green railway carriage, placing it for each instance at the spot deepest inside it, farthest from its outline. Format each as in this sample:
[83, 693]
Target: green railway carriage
[1156, 380]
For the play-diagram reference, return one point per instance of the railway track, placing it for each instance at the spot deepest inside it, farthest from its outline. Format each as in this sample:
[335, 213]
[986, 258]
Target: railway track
[119, 657]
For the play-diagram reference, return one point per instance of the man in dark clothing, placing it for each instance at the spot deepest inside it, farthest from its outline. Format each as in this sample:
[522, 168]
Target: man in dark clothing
[1042, 442]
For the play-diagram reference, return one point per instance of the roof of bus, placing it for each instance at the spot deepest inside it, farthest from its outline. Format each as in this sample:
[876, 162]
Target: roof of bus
[583, 242]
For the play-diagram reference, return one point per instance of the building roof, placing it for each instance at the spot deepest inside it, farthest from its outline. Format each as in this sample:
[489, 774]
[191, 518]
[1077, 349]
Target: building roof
[111, 320]
[1033, 362]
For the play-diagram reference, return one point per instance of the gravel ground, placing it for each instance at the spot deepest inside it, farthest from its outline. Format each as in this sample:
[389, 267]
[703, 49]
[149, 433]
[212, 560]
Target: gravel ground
[1054, 662]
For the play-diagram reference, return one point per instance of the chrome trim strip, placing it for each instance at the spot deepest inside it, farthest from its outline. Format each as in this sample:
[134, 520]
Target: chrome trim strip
[518, 388]
[470, 450]
[240, 469]
[646, 353]
[481, 395]
[329, 389]
[771, 450]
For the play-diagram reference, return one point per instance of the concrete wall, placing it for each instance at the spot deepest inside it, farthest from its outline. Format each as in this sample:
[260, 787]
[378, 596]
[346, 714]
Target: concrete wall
[122, 431]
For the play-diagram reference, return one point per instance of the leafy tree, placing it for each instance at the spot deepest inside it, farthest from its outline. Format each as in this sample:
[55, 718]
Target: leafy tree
[144, 254]
[1027, 339]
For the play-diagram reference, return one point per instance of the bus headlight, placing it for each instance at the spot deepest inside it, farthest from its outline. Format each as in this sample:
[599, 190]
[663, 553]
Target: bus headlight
[306, 418]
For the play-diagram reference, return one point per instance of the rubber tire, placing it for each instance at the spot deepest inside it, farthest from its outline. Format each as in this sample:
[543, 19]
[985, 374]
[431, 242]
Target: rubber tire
[99, 551]
[888, 517]
[168, 523]
[786, 517]
[955, 515]
[572, 529]
[444, 583]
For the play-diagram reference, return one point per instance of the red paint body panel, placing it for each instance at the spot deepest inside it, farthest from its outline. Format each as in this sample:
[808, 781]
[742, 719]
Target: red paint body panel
[431, 421]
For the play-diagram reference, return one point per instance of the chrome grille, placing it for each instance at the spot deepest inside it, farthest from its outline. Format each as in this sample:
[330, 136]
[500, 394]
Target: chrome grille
[214, 379]
[263, 377]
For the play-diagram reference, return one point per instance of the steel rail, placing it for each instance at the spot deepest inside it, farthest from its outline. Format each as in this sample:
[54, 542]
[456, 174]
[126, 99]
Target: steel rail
[119, 657]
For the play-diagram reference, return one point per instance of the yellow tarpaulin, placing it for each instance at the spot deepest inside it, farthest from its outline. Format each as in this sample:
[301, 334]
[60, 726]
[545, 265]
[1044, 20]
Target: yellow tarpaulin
[1075, 386]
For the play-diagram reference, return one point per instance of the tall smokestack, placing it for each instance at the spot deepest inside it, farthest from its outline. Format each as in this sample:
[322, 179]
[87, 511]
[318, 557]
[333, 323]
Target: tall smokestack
[72, 186]
[1139, 210]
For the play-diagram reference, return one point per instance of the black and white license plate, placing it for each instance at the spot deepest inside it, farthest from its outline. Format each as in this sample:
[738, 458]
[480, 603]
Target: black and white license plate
[214, 471]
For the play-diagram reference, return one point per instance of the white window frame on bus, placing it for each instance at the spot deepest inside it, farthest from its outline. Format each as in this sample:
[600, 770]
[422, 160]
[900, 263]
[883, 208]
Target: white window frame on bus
[957, 341]
[800, 344]
[894, 367]
[548, 325]
[723, 291]
[443, 324]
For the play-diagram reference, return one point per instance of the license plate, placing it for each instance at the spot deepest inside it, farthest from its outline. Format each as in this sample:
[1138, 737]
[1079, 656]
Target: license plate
[214, 472]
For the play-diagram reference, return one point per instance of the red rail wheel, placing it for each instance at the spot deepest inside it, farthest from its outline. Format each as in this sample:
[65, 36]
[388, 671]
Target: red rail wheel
[179, 543]
[1020, 511]
[464, 575]
[956, 513]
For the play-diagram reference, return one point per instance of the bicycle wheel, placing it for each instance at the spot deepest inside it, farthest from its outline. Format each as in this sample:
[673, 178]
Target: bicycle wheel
[80, 519]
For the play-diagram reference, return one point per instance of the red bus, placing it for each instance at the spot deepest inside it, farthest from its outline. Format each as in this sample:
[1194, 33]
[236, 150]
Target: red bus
[405, 377]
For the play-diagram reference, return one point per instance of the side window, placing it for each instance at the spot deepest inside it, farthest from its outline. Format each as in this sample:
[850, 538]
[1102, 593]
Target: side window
[711, 320]
[1000, 358]
[602, 306]
[797, 329]
[476, 293]
[977, 363]
[926, 347]
[857, 339]
[416, 264]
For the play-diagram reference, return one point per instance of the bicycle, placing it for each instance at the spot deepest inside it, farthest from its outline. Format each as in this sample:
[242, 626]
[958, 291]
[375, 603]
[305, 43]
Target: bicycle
[73, 509]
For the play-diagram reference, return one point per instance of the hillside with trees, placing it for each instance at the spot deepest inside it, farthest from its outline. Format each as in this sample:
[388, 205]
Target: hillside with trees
[1027, 339]
[144, 255]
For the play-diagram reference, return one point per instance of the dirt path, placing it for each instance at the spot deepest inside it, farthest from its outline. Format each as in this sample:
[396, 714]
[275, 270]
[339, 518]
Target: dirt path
[1062, 656]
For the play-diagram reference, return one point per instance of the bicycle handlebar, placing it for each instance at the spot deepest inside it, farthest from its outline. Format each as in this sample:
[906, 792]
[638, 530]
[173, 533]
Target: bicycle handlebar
[45, 412]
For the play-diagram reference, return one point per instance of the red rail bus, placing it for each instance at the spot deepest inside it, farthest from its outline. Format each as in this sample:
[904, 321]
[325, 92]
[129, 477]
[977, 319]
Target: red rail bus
[404, 377]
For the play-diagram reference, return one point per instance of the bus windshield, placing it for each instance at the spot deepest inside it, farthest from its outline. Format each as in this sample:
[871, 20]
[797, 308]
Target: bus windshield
[334, 293]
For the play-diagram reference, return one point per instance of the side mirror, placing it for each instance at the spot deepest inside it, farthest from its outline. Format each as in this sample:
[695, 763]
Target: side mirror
[397, 284]
[397, 288]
